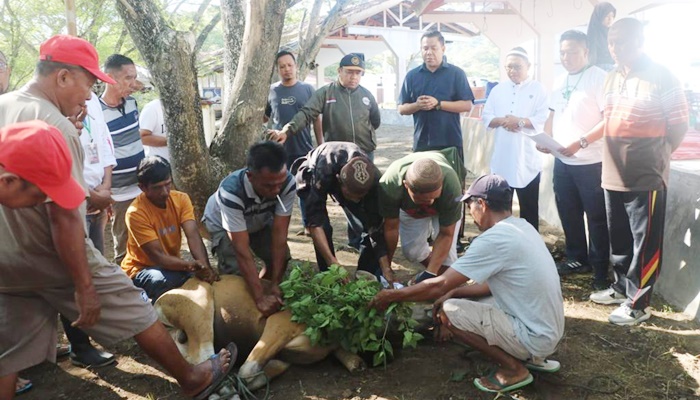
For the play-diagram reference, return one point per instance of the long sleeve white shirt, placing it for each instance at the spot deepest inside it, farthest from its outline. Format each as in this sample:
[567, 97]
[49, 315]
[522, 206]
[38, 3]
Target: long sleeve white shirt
[514, 154]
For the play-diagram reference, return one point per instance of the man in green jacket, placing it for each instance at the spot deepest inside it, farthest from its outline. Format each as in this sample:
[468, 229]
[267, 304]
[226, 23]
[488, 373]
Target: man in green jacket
[350, 112]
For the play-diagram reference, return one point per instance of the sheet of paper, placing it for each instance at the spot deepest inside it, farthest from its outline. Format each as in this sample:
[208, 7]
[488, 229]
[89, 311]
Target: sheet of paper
[548, 142]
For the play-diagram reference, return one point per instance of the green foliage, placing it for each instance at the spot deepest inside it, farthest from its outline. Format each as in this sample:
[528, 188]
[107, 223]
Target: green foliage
[335, 311]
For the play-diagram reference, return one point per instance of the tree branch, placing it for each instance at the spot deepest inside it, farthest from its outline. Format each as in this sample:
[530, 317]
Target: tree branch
[205, 32]
[198, 16]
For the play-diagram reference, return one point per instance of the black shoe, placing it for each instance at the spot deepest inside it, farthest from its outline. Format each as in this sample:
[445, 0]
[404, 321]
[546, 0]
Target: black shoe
[461, 248]
[572, 267]
[90, 357]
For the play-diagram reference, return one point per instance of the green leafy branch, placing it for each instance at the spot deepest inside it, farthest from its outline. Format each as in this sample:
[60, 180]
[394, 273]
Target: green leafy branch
[334, 309]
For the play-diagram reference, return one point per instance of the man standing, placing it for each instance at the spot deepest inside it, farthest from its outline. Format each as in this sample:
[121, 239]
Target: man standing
[342, 171]
[435, 93]
[417, 200]
[524, 321]
[122, 117]
[646, 117]
[285, 99]
[46, 263]
[576, 121]
[350, 112]
[251, 210]
[153, 131]
[516, 108]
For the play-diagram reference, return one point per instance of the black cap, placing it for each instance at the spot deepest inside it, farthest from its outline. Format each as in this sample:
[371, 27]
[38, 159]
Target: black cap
[490, 187]
[353, 61]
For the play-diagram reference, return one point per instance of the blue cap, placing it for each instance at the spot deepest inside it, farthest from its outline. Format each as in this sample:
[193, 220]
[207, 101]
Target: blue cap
[490, 187]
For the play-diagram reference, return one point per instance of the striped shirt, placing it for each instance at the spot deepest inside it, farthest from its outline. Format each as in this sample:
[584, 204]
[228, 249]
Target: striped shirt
[639, 107]
[235, 207]
[123, 124]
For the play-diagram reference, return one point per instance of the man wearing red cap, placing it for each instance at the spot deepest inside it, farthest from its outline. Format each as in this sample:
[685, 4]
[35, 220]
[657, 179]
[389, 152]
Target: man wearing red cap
[46, 263]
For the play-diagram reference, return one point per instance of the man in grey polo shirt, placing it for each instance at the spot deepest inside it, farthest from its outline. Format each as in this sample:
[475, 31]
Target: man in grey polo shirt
[251, 210]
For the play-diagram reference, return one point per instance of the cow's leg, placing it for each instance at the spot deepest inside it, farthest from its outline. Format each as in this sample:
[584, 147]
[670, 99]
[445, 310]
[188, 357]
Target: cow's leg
[279, 330]
[351, 361]
[190, 308]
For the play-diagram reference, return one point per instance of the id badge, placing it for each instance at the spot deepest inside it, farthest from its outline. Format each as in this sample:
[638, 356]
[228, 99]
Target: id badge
[91, 153]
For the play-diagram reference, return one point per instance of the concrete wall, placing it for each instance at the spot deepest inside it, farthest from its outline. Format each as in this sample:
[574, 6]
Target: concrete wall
[679, 282]
[391, 116]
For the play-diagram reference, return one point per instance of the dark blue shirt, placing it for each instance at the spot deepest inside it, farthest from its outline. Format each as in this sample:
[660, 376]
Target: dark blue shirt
[435, 130]
[283, 102]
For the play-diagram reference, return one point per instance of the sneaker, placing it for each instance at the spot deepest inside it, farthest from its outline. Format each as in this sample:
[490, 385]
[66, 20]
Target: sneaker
[543, 365]
[624, 315]
[572, 267]
[608, 296]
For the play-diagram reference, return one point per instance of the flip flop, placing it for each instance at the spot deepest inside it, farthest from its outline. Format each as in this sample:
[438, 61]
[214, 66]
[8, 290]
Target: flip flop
[491, 377]
[63, 350]
[24, 388]
[545, 366]
[219, 375]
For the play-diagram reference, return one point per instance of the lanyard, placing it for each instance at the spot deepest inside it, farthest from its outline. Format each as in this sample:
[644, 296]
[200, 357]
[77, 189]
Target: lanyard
[86, 125]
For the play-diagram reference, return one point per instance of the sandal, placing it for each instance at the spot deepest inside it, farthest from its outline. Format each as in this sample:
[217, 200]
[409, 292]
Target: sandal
[22, 385]
[491, 378]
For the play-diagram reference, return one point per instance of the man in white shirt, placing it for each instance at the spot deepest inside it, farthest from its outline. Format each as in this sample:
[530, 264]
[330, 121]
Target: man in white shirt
[517, 108]
[97, 170]
[576, 121]
[154, 133]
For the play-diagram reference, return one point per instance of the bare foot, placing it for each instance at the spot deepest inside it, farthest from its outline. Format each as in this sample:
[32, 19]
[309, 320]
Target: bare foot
[205, 373]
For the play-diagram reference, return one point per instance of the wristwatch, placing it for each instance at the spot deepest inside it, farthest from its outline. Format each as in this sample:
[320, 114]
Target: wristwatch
[438, 106]
[583, 142]
[521, 123]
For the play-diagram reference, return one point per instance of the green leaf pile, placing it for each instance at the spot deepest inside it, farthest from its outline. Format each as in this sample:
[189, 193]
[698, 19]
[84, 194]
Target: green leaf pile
[335, 310]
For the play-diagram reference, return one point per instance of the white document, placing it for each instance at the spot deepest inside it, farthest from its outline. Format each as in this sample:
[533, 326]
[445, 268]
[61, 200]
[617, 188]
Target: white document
[548, 142]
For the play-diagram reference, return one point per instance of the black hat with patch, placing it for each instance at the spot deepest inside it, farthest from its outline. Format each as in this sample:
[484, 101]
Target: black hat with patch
[353, 61]
[358, 175]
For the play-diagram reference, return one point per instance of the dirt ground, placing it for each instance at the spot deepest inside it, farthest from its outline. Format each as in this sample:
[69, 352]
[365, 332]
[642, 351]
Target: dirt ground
[658, 360]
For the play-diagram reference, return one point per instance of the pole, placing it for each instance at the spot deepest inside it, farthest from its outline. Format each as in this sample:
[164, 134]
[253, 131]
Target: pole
[70, 18]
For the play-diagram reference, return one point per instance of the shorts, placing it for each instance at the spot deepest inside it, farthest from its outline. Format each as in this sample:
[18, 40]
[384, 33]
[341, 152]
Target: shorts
[28, 332]
[260, 244]
[487, 321]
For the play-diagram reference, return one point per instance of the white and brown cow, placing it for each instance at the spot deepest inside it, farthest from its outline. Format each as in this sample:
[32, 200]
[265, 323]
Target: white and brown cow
[203, 317]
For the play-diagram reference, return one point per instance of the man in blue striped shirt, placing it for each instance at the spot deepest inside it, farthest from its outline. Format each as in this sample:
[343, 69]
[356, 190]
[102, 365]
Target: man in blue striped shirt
[251, 210]
[122, 117]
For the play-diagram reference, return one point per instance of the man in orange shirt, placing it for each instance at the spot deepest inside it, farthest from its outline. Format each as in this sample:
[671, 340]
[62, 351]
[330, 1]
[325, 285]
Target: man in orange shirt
[154, 221]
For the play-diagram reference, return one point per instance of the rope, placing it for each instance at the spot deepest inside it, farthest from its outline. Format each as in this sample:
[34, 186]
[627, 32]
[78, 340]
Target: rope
[242, 389]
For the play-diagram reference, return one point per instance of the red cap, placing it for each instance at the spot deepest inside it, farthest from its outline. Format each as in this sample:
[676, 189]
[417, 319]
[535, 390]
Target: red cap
[73, 50]
[37, 152]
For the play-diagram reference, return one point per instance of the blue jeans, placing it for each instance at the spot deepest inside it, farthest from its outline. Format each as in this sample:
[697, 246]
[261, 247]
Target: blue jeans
[155, 281]
[96, 224]
[577, 191]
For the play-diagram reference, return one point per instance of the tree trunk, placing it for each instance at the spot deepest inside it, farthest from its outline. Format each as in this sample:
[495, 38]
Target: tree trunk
[245, 103]
[314, 36]
[168, 54]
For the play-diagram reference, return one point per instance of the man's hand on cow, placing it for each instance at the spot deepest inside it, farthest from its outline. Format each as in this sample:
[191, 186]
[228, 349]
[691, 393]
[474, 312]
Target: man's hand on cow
[208, 274]
[88, 304]
[268, 304]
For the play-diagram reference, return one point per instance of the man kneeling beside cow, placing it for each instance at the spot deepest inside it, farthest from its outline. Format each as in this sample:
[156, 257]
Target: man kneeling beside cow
[517, 295]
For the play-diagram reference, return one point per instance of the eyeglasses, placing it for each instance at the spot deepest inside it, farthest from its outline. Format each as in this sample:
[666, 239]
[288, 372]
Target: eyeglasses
[513, 67]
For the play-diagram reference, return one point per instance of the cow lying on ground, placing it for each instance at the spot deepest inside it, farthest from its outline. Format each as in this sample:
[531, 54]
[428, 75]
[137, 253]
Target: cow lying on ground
[203, 317]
